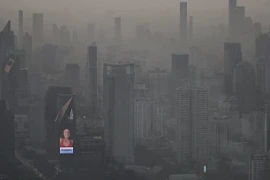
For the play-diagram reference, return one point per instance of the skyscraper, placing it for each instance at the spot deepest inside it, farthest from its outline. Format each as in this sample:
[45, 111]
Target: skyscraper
[232, 56]
[142, 114]
[190, 28]
[72, 77]
[257, 29]
[119, 111]
[191, 117]
[263, 77]
[37, 30]
[20, 33]
[51, 110]
[179, 75]
[245, 87]
[55, 31]
[92, 77]
[27, 46]
[183, 23]
[262, 45]
[118, 31]
[232, 6]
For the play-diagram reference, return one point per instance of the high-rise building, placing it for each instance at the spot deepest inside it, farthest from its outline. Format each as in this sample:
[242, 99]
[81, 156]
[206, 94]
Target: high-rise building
[20, 33]
[64, 36]
[192, 117]
[159, 84]
[55, 35]
[183, 23]
[49, 58]
[118, 100]
[142, 114]
[7, 131]
[257, 29]
[262, 45]
[118, 31]
[93, 79]
[258, 164]
[190, 28]
[37, 30]
[263, 77]
[179, 75]
[245, 87]
[72, 77]
[50, 114]
[27, 46]
[232, 6]
[232, 56]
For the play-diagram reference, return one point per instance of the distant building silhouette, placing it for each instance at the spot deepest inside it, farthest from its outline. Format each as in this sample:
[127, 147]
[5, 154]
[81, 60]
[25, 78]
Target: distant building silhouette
[93, 78]
[183, 23]
[20, 32]
[72, 77]
[119, 111]
[28, 46]
[257, 29]
[262, 45]
[190, 28]
[37, 30]
[245, 87]
[55, 34]
[232, 56]
[118, 31]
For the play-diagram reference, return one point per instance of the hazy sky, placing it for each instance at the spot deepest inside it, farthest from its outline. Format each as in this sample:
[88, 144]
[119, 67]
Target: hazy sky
[83, 11]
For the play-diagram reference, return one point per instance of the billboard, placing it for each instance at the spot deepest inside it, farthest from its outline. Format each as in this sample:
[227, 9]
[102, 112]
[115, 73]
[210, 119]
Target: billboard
[66, 140]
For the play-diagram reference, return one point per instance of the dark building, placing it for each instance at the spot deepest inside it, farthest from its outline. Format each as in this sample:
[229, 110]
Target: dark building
[20, 33]
[37, 30]
[118, 31]
[55, 34]
[72, 77]
[262, 45]
[118, 97]
[232, 6]
[27, 46]
[232, 56]
[179, 75]
[7, 132]
[93, 79]
[49, 58]
[64, 36]
[245, 87]
[51, 110]
[257, 29]
[183, 22]
[190, 28]
[92, 150]
[263, 78]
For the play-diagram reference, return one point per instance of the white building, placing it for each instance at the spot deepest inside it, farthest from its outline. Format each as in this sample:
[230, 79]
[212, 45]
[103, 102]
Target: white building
[192, 117]
[143, 114]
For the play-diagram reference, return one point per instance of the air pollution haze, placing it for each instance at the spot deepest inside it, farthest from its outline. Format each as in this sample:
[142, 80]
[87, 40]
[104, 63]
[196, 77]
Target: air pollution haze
[134, 89]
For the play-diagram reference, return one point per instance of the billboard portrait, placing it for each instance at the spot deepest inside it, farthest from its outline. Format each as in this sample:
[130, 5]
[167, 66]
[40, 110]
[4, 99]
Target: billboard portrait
[66, 142]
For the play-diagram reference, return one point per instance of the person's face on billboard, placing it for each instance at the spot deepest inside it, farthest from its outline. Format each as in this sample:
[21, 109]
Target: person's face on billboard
[66, 133]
